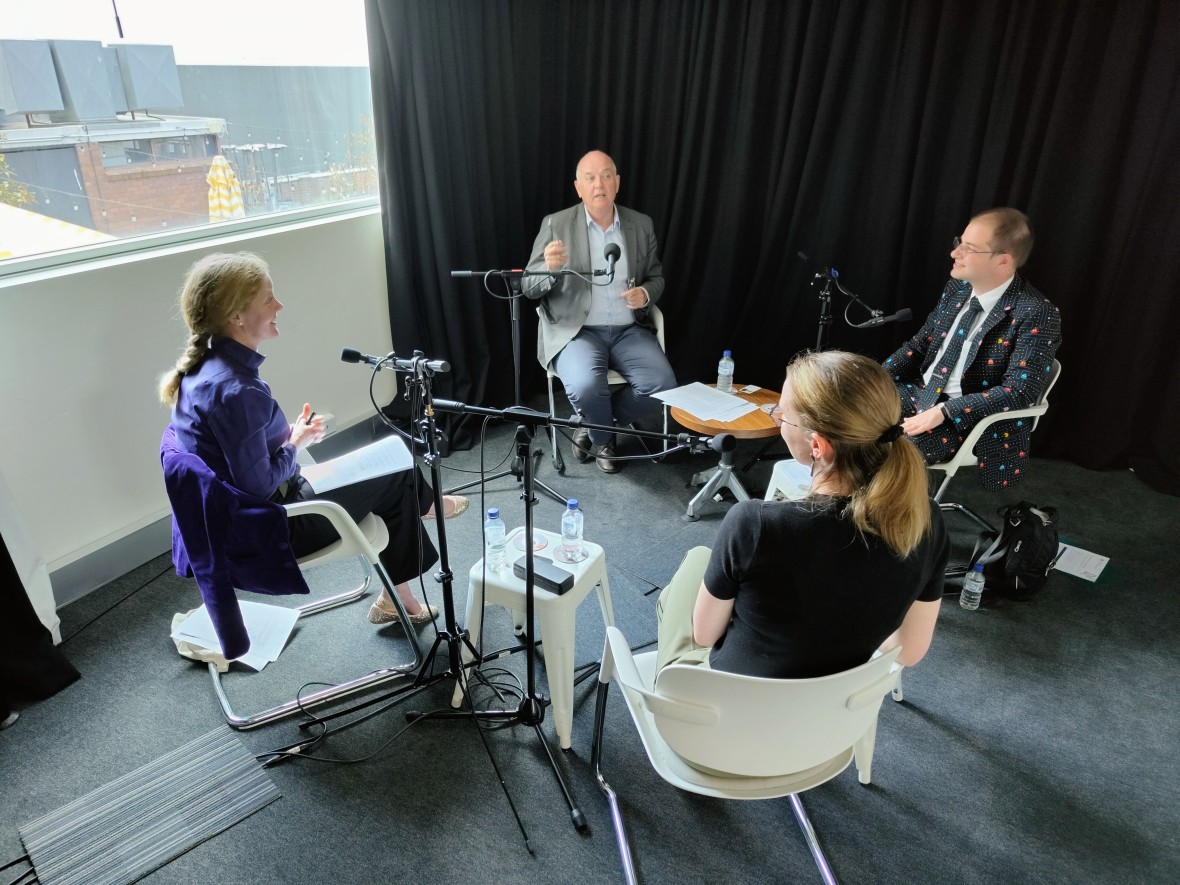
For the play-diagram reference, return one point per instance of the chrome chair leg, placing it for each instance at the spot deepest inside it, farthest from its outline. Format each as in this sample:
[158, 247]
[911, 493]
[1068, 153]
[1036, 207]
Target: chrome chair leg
[616, 813]
[825, 871]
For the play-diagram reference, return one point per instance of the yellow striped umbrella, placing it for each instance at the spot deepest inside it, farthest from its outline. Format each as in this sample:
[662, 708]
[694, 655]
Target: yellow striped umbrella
[29, 233]
[225, 194]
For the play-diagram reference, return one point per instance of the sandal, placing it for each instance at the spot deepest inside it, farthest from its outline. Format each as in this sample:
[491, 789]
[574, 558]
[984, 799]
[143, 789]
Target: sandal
[461, 505]
[379, 614]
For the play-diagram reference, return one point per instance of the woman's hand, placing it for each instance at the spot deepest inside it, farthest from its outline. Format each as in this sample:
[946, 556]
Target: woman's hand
[306, 429]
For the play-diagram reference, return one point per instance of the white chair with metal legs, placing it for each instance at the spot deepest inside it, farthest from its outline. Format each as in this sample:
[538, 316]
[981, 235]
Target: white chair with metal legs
[965, 457]
[197, 495]
[742, 737]
[612, 378]
[365, 541]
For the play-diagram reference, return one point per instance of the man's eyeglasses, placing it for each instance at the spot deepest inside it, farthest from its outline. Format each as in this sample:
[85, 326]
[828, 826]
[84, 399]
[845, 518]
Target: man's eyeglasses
[957, 243]
[776, 415]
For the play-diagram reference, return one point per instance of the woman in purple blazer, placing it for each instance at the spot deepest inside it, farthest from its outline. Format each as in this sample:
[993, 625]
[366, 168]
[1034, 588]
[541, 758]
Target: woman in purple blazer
[224, 413]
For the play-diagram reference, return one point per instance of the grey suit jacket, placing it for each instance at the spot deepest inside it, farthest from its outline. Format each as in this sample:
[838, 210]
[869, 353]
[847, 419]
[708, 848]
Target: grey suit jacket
[565, 300]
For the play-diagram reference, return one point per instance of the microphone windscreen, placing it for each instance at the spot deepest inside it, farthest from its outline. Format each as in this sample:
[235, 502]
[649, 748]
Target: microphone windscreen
[904, 314]
[349, 355]
[722, 443]
[612, 250]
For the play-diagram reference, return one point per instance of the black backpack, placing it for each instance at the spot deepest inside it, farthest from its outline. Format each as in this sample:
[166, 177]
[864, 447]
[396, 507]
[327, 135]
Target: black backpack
[1018, 559]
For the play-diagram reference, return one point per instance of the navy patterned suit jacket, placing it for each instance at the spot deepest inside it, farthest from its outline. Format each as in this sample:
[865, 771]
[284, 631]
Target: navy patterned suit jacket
[1008, 365]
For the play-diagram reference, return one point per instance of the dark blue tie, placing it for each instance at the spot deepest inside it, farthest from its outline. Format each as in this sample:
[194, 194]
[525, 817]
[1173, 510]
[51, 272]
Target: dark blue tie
[950, 356]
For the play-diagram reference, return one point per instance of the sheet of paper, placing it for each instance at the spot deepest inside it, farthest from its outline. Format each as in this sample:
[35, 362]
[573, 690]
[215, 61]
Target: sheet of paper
[706, 403]
[268, 626]
[1079, 563]
[388, 455]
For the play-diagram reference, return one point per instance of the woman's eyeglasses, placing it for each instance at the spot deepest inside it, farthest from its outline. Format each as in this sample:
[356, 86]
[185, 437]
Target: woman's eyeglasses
[776, 415]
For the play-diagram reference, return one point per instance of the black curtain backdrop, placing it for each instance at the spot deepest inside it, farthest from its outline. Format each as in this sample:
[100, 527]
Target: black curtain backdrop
[863, 134]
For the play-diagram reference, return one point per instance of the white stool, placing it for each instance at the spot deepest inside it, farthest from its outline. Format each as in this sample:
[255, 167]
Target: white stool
[556, 615]
[790, 480]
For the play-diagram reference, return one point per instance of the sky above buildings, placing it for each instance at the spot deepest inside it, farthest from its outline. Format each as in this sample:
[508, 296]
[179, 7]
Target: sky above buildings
[211, 32]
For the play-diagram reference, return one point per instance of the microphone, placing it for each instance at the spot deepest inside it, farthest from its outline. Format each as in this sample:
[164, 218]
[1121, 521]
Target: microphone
[611, 253]
[900, 317]
[392, 361]
[349, 355]
[721, 443]
[449, 405]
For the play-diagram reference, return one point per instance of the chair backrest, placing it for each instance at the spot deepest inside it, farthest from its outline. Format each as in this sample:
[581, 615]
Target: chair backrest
[965, 456]
[752, 726]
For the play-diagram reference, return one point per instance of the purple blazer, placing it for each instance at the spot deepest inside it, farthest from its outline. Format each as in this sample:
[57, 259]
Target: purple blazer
[225, 539]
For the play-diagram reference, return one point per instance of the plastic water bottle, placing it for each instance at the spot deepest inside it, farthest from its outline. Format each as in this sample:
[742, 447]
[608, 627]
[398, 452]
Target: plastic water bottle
[493, 539]
[972, 588]
[725, 373]
[572, 548]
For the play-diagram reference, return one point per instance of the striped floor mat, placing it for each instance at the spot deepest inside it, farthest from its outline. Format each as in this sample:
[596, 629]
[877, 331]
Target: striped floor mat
[124, 830]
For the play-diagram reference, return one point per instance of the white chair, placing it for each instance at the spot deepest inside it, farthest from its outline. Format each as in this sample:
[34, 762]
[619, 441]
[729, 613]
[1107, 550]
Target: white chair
[365, 541]
[612, 378]
[556, 614]
[966, 454]
[789, 481]
[742, 737]
[191, 486]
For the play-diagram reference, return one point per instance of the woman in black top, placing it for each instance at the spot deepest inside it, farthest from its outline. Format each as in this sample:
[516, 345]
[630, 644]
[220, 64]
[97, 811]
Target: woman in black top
[797, 589]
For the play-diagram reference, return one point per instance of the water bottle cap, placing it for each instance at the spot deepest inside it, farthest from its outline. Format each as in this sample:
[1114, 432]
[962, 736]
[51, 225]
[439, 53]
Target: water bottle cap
[493, 513]
[726, 353]
[572, 504]
[978, 567]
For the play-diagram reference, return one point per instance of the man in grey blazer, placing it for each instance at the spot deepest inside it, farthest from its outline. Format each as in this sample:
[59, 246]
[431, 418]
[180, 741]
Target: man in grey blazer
[590, 324]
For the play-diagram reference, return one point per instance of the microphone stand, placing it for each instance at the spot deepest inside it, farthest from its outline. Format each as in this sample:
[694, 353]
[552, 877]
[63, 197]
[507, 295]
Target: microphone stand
[829, 275]
[512, 279]
[531, 710]
[825, 308]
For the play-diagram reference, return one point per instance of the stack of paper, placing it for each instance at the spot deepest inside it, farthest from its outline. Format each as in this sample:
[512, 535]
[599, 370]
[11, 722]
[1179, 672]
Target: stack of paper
[388, 455]
[706, 403]
[268, 626]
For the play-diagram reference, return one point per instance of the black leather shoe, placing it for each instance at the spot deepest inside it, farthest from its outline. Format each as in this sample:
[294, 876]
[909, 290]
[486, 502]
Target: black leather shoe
[583, 449]
[605, 459]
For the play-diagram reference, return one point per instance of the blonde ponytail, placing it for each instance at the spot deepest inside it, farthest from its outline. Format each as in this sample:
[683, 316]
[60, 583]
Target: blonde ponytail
[851, 401]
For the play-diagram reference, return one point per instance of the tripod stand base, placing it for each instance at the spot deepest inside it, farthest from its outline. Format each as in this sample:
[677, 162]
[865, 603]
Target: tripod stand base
[516, 470]
[722, 476]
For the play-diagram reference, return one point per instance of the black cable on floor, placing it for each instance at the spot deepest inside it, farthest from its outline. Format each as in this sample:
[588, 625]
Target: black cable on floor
[24, 858]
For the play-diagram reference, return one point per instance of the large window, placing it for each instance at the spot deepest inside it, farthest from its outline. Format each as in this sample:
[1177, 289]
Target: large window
[199, 114]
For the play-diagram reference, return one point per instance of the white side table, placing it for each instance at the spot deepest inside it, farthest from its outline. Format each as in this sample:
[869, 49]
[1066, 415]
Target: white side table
[556, 615]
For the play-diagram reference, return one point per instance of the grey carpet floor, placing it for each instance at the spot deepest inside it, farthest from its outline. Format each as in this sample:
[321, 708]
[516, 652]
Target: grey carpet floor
[1036, 742]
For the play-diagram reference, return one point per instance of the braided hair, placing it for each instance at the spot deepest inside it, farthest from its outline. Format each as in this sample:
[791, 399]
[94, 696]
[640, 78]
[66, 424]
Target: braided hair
[215, 288]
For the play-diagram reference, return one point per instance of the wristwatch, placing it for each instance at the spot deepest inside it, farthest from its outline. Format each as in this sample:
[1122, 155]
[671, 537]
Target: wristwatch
[946, 415]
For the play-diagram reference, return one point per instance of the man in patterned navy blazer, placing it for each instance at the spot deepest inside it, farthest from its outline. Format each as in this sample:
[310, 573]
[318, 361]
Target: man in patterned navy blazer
[1007, 334]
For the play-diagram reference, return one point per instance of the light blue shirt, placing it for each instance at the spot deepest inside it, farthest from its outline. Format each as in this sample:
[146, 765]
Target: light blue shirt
[607, 308]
